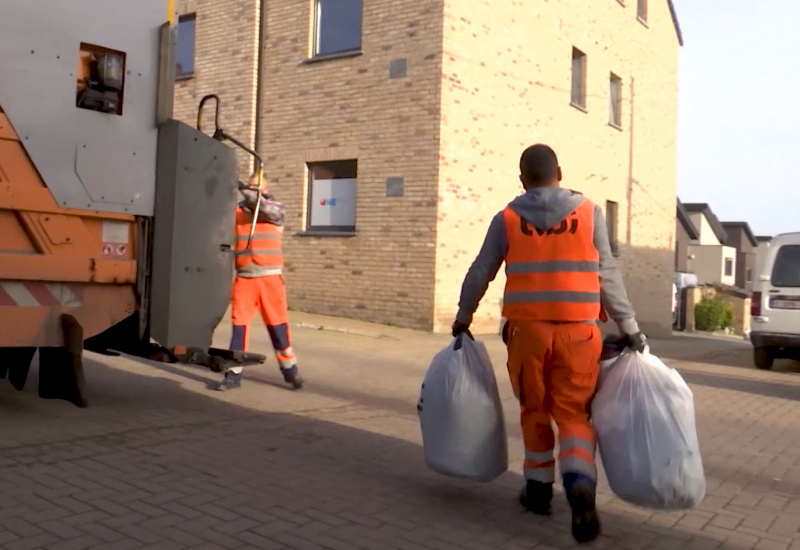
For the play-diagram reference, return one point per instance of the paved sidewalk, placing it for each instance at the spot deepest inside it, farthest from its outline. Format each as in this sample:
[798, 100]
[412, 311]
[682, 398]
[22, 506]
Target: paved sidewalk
[159, 461]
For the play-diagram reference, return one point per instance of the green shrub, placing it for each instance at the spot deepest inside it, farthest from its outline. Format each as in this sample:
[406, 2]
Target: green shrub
[713, 314]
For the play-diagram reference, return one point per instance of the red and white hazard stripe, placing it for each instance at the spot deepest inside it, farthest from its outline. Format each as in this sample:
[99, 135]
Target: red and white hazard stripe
[39, 295]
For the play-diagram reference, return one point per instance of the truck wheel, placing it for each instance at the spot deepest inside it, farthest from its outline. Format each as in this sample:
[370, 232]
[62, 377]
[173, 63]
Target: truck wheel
[764, 357]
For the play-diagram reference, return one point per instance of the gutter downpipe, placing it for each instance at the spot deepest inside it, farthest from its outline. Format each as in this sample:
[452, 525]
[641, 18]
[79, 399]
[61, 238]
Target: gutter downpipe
[262, 23]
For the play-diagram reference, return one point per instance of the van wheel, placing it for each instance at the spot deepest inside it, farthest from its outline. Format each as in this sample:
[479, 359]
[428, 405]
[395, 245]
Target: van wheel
[764, 357]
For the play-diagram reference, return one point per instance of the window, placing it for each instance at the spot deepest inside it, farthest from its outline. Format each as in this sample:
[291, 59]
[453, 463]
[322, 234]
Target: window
[728, 267]
[615, 96]
[612, 222]
[332, 196]
[338, 27]
[786, 271]
[578, 79]
[641, 10]
[749, 275]
[101, 79]
[184, 53]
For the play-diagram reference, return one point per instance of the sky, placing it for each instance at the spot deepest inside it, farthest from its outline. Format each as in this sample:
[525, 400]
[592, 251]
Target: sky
[739, 110]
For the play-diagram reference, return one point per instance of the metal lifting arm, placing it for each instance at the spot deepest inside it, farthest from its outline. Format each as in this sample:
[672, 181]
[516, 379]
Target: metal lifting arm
[220, 135]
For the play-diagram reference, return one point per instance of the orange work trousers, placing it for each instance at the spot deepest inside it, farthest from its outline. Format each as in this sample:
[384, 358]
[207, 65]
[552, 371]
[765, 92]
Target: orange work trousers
[554, 369]
[266, 295]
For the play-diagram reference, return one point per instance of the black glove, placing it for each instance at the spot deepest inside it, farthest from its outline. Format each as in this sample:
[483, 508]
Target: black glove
[637, 342]
[459, 327]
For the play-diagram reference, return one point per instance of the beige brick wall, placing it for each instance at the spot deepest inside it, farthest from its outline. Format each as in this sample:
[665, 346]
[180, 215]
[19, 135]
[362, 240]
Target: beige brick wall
[506, 85]
[483, 82]
[225, 64]
[349, 108]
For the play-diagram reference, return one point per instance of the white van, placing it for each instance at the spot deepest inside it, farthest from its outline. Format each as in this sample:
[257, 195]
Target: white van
[775, 309]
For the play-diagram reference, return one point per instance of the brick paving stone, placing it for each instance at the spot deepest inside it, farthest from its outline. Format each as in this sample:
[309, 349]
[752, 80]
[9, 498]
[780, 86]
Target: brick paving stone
[158, 461]
[85, 542]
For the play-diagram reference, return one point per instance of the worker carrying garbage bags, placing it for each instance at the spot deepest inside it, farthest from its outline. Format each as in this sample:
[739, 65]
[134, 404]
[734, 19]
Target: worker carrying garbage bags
[561, 277]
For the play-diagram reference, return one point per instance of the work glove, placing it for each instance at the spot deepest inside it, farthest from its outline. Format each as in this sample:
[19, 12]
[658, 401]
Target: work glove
[637, 342]
[459, 327]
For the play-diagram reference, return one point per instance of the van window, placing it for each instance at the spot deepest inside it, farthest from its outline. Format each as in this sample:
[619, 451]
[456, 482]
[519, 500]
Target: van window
[786, 271]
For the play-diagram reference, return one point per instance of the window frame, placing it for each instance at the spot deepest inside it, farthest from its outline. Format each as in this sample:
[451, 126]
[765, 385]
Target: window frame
[335, 230]
[726, 272]
[615, 106]
[641, 11]
[316, 55]
[192, 16]
[581, 57]
[612, 226]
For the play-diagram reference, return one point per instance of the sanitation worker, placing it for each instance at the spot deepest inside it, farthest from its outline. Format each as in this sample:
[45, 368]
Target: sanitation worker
[561, 278]
[259, 285]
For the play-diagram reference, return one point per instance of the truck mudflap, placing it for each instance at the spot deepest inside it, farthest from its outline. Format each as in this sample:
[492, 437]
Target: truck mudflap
[60, 367]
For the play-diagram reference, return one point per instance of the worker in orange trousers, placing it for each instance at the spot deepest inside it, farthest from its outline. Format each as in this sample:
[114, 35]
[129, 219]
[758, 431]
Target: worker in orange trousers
[259, 286]
[561, 278]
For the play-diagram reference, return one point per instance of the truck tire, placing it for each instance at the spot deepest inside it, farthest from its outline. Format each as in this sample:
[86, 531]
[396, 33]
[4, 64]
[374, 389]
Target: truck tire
[763, 358]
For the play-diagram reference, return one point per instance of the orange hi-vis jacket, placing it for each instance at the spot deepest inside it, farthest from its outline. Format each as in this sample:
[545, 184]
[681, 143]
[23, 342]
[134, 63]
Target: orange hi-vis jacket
[265, 256]
[553, 274]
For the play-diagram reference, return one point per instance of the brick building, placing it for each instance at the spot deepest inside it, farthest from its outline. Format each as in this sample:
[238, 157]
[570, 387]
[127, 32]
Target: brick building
[392, 132]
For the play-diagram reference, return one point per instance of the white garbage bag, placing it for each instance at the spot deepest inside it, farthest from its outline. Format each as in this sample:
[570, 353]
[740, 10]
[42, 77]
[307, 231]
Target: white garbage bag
[460, 413]
[644, 416]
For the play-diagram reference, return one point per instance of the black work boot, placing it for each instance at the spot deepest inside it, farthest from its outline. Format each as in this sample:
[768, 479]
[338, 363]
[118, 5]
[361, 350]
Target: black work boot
[536, 497]
[582, 494]
[292, 377]
[230, 382]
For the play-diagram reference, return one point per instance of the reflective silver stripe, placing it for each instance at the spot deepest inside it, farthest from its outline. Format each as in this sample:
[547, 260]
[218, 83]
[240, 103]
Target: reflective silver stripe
[577, 443]
[251, 252]
[287, 363]
[288, 352]
[541, 296]
[542, 475]
[575, 465]
[541, 457]
[258, 236]
[253, 271]
[552, 266]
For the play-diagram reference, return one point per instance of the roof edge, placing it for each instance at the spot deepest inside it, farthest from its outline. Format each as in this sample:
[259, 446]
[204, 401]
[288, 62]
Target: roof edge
[675, 21]
[713, 221]
[747, 231]
[686, 222]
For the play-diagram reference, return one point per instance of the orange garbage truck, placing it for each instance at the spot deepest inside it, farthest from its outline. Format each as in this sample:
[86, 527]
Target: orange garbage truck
[116, 221]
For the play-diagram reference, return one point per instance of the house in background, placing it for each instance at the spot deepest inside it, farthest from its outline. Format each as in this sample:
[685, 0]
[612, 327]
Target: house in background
[741, 237]
[764, 242]
[685, 234]
[709, 257]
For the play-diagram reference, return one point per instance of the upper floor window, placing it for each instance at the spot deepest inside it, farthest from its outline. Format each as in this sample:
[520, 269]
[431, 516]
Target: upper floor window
[641, 10]
[615, 98]
[728, 267]
[184, 53]
[578, 79]
[338, 26]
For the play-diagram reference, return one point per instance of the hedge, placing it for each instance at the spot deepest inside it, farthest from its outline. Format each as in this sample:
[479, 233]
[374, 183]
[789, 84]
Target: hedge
[712, 314]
